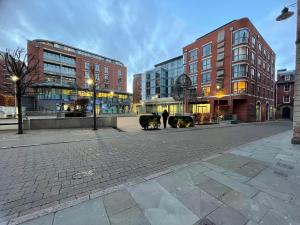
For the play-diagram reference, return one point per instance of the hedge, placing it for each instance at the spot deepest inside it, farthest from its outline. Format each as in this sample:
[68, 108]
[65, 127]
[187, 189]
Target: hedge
[180, 121]
[152, 121]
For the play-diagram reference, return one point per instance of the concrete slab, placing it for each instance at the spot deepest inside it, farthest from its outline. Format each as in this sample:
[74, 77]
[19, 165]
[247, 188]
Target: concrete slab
[159, 206]
[131, 216]
[44, 220]
[285, 208]
[88, 213]
[248, 207]
[117, 202]
[225, 215]
[214, 188]
[275, 218]
[199, 202]
[247, 190]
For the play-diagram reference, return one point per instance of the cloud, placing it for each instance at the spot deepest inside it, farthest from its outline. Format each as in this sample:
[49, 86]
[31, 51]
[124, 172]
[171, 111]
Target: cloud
[138, 33]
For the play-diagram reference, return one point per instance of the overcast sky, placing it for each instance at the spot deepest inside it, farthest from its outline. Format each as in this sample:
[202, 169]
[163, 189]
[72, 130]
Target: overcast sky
[140, 33]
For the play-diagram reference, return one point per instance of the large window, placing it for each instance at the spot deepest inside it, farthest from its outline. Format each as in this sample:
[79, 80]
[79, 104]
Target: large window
[206, 64]
[206, 50]
[240, 54]
[193, 54]
[206, 90]
[206, 77]
[253, 42]
[252, 73]
[194, 80]
[252, 57]
[52, 68]
[239, 87]
[240, 36]
[193, 67]
[240, 70]
[287, 77]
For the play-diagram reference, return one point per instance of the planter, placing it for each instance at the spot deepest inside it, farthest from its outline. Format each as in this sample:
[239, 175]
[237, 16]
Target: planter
[180, 121]
[149, 121]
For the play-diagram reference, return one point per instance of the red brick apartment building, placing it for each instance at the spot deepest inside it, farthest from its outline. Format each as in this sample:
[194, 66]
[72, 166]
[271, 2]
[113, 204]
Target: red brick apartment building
[6, 85]
[137, 88]
[63, 74]
[232, 69]
[285, 94]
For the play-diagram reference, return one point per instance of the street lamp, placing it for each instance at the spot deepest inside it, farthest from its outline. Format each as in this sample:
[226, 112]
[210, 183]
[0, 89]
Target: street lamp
[218, 97]
[14, 78]
[285, 14]
[93, 83]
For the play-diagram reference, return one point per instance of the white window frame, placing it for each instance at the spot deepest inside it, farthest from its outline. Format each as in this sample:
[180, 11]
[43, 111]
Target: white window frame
[206, 66]
[193, 57]
[288, 100]
[205, 55]
[287, 77]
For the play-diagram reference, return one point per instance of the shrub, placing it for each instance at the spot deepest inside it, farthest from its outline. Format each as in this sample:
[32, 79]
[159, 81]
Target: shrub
[152, 121]
[180, 121]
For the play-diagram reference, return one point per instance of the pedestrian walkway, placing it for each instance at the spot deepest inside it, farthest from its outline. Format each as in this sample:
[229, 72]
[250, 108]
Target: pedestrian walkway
[257, 183]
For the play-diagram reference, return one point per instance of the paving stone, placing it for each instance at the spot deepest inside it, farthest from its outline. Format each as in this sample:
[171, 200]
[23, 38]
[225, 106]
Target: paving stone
[224, 215]
[275, 218]
[285, 208]
[44, 220]
[159, 206]
[214, 188]
[248, 207]
[117, 202]
[247, 190]
[199, 202]
[88, 213]
[131, 216]
[250, 222]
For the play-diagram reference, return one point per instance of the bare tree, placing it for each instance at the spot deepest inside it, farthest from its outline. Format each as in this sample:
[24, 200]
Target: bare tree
[22, 68]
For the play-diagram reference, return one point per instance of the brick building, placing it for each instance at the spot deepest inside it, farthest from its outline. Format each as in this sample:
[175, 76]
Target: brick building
[137, 88]
[7, 98]
[63, 74]
[285, 93]
[232, 69]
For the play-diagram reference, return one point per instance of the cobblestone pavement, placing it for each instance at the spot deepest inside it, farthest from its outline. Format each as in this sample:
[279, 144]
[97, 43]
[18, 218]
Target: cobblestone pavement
[44, 168]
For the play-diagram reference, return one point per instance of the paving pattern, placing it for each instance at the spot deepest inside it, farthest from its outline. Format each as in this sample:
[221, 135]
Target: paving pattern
[45, 168]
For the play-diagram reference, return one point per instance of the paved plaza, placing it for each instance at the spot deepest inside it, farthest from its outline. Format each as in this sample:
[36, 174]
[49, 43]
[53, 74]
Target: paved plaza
[44, 170]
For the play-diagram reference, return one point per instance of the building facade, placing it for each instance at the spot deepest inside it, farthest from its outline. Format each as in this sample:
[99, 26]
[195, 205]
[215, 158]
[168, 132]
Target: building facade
[285, 94]
[158, 86]
[7, 86]
[63, 75]
[137, 88]
[232, 69]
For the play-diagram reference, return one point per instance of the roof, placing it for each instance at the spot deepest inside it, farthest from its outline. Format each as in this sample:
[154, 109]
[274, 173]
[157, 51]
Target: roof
[76, 49]
[216, 29]
[169, 60]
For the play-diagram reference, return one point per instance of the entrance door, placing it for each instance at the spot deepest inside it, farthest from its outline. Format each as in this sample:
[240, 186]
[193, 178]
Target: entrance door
[258, 112]
[267, 111]
[286, 113]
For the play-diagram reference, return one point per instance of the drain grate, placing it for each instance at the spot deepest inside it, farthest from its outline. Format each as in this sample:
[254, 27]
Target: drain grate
[205, 221]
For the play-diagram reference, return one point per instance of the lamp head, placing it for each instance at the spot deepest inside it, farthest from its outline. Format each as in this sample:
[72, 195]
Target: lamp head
[285, 14]
[89, 81]
[14, 78]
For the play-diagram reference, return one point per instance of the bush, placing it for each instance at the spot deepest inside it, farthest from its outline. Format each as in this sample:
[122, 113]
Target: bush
[180, 121]
[152, 121]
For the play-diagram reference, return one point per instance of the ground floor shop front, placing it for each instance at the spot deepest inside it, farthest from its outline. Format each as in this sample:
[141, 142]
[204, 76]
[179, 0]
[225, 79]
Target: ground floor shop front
[244, 108]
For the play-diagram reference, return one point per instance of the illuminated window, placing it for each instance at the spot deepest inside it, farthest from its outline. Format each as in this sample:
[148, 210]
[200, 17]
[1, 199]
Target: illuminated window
[201, 108]
[239, 87]
[206, 91]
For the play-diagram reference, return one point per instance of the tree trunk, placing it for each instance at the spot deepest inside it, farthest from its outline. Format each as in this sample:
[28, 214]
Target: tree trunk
[20, 114]
[94, 106]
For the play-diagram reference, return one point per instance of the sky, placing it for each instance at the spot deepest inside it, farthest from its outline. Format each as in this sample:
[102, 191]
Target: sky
[141, 33]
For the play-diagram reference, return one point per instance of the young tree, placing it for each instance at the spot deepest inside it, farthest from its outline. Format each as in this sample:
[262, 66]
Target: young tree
[22, 68]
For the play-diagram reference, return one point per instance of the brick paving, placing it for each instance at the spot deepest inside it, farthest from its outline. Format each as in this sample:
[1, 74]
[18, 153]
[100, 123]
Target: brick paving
[48, 171]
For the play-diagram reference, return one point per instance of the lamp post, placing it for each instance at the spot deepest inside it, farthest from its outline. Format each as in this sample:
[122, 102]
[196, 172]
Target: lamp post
[218, 97]
[112, 98]
[285, 14]
[93, 83]
[14, 78]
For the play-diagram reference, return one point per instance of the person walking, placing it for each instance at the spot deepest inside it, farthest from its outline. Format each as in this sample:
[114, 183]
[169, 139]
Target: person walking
[165, 116]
